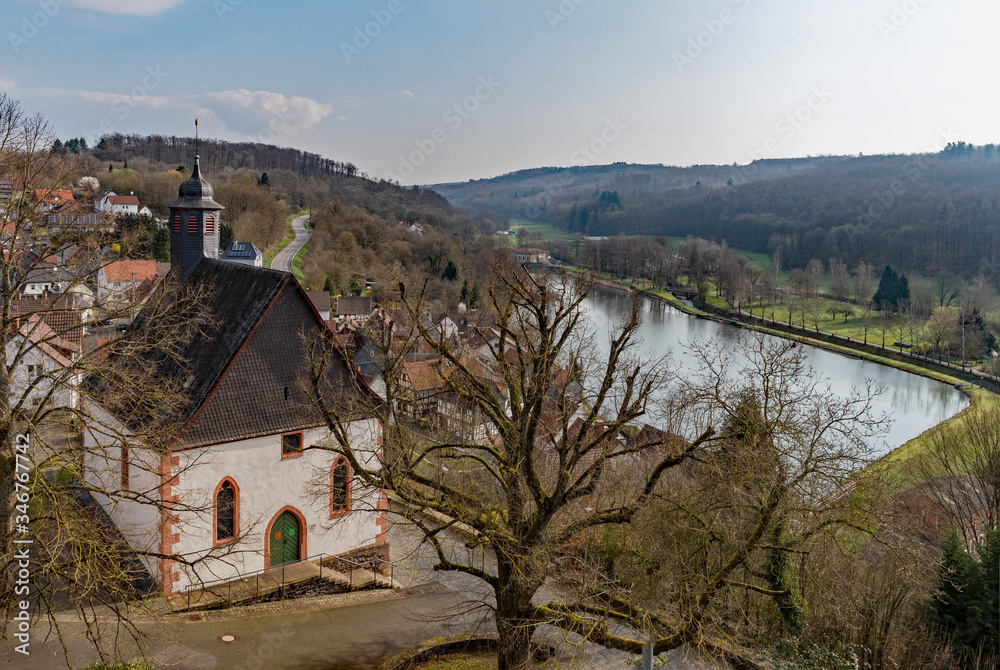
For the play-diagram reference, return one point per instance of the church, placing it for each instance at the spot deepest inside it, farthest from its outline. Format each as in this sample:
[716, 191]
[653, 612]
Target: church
[236, 488]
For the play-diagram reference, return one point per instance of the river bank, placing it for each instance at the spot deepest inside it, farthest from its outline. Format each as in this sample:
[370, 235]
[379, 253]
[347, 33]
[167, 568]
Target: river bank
[973, 387]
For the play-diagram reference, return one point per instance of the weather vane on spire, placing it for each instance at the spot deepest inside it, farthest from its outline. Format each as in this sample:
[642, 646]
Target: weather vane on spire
[197, 142]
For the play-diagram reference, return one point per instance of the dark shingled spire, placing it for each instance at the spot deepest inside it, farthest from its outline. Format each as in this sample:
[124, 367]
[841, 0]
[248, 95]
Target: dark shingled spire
[195, 225]
[195, 192]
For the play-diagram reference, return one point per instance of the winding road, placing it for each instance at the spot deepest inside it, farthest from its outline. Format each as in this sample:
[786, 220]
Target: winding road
[283, 260]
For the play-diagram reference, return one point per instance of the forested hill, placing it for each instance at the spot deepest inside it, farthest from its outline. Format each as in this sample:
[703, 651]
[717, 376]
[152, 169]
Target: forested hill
[926, 214]
[216, 154]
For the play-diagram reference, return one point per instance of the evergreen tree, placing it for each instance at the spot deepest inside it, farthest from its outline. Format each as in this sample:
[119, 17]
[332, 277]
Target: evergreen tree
[475, 296]
[965, 602]
[264, 180]
[57, 146]
[328, 286]
[893, 289]
[225, 236]
[161, 245]
[450, 271]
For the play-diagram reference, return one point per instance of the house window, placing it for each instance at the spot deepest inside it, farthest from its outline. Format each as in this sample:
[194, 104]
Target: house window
[34, 372]
[193, 224]
[125, 468]
[340, 487]
[227, 503]
[209, 225]
[176, 219]
[291, 445]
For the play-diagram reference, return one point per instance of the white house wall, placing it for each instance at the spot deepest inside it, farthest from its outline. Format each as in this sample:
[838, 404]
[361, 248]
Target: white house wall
[64, 396]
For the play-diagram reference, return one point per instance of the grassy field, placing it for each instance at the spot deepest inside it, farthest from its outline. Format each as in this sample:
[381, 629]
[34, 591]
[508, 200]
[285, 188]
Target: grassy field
[548, 233]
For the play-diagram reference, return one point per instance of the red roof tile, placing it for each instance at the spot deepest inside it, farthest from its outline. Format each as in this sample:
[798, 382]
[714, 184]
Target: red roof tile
[130, 271]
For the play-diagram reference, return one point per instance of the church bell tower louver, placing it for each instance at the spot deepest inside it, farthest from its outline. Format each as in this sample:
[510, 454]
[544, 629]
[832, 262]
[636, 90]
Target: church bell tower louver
[195, 225]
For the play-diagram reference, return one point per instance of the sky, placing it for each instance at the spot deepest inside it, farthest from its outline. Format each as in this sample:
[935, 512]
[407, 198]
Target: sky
[431, 91]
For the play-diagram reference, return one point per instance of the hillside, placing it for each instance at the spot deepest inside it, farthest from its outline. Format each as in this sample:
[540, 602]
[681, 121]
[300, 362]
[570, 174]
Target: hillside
[356, 235]
[926, 214]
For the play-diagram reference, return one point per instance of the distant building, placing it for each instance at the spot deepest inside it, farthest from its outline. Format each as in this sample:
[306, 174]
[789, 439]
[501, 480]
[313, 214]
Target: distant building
[6, 190]
[530, 256]
[121, 204]
[359, 309]
[118, 281]
[244, 253]
[50, 199]
[321, 301]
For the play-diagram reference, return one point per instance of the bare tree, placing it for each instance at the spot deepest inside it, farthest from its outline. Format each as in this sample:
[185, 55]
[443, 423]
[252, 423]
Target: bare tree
[556, 426]
[840, 279]
[54, 381]
[960, 469]
[864, 289]
[791, 469]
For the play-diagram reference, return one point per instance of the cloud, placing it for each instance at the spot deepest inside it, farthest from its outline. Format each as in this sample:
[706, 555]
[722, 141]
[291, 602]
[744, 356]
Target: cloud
[252, 111]
[251, 114]
[138, 7]
[404, 94]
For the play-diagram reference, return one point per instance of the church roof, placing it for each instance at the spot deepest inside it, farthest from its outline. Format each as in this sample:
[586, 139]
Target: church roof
[195, 192]
[243, 377]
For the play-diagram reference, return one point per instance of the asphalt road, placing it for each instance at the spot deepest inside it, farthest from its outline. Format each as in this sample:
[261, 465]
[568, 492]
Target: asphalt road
[283, 261]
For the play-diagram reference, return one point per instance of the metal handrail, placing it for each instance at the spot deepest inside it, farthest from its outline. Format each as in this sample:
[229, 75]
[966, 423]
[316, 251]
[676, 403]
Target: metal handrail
[376, 563]
[204, 587]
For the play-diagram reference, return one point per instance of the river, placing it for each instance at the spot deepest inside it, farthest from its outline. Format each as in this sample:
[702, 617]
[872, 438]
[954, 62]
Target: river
[913, 402]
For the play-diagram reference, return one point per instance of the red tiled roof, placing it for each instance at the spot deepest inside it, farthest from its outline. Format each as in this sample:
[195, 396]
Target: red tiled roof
[423, 375]
[123, 200]
[54, 196]
[130, 270]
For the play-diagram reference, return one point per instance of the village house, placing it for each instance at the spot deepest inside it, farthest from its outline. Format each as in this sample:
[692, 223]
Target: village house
[233, 482]
[321, 301]
[358, 309]
[119, 282]
[48, 199]
[6, 191]
[530, 256]
[47, 335]
[245, 253]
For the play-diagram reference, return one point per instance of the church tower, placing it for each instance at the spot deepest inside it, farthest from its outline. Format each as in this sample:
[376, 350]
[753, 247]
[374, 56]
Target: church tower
[195, 225]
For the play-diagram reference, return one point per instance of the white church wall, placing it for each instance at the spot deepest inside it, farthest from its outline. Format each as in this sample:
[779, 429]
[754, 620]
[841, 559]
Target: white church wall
[267, 484]
[135, 510]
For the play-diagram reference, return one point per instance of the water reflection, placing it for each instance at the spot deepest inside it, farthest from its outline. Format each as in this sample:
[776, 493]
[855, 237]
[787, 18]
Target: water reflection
[915, 403]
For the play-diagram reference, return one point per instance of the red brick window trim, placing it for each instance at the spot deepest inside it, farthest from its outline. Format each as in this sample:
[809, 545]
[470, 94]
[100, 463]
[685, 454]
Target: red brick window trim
[226, 516]
[192, 224]
[341, 483]
[291, 445]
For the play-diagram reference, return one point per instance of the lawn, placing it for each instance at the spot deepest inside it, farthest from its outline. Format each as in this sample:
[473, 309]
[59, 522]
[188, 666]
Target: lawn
[548, 233]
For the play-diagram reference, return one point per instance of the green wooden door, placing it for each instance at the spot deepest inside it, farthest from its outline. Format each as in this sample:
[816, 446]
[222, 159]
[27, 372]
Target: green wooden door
[284, 539]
